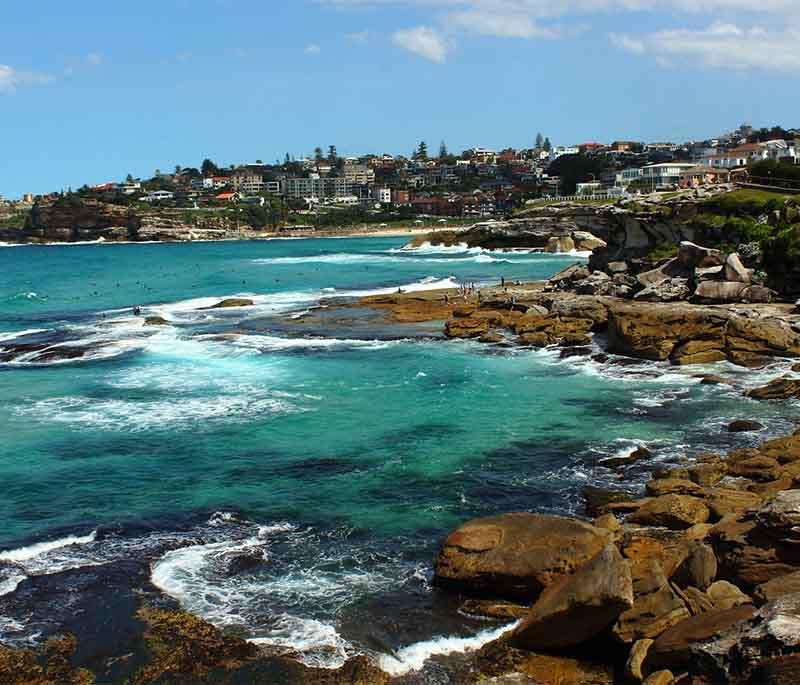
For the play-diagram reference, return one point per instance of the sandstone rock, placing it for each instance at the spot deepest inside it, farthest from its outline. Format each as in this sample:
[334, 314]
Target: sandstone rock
[466, 327]
[711, 379]
[670, 486]
[560, 244]
[708, 473]
[785, 450]
[781, 515]
[575, 608]
[778, 389]
[494, 609]
[670, 269]
[633, 667]
[696, 600]
[617, 267]
[788, 584]
[698, 569]
[581, 307]
[758, 468]
[758, 294]
[586, 241]
[663, 677]
[596, 499]
[498, 659]
[712, 273]
[726, 595]
[692, 255]
[635, 455]
[231, 302]
[673, 647]
[724, 501]
[744, 426]
[598, 283]
[672, 511]
[575, 272]
[156, 321]
[762, 335]
[719, 291]
[667, 290]
[737, 651]
[735, 270]
[747, 554]
[607, 522]
[654, 331]
[540, 331]
[515, 555]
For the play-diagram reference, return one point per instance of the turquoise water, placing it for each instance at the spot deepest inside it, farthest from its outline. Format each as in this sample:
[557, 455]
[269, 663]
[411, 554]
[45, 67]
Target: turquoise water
[289, 486]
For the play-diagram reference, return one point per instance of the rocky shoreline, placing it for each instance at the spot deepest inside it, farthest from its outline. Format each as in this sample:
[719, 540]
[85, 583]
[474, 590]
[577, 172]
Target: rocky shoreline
[695, 582]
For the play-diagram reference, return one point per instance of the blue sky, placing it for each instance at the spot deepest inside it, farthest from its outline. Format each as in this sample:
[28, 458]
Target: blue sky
[91, 91]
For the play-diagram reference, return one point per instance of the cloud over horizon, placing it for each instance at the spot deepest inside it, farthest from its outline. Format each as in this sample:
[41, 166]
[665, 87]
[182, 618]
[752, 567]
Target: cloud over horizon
[11, 79]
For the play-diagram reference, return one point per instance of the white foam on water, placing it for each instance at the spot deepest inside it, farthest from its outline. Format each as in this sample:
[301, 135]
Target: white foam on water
[312, 642]
[20, 334]
[413, 657]
[30, 552]
[11, 583]
[138, 416]
[268, 343]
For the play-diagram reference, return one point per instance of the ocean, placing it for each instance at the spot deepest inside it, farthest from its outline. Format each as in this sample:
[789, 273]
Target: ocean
[292, 483]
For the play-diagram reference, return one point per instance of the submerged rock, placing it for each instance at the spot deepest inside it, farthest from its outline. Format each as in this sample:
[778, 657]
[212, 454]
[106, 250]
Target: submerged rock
[744, 426]
[232, 302]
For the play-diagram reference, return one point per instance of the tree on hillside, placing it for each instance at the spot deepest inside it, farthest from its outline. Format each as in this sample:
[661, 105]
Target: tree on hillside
[318, 155]
[443, 151]
[332, 154]
[547, 146]
[422, 152]
[178, 169]
[539, 141]
[287, 159]
[208, 168]
[574, 169]
[129, 178]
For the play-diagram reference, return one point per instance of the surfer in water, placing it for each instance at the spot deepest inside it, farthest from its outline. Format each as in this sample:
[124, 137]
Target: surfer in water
[137, 310]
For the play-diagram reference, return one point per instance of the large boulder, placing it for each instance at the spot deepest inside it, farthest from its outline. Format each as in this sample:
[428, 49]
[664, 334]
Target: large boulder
[779, 389]
[719, 291]
[778, 587]
[667, 290]
[575, 608]
[515, 555]
[738, 653]
[692, 255]
[672, 511]
[560, 244]
[656, 331]
[735, 270]
[672, 649]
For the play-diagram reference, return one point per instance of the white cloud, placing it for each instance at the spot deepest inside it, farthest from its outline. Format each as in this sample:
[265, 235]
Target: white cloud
[624, 42]
[11, 79]
[423, 41]
[312, 50]
[84, 63]
[720, 45]
[502, 25]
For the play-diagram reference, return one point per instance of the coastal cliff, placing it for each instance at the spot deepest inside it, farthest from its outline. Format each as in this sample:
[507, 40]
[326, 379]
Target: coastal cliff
[85, 220]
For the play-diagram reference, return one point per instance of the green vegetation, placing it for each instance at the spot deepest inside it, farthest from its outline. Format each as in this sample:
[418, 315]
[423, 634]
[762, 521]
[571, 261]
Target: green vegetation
[747, 201]
[663, 251]
[13, 220]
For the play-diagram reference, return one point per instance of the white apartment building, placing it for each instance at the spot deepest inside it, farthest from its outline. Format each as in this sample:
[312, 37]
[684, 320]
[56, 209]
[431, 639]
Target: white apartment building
[382, 195]
[627, 176]
[158, 195]
[562, 150]
[667, 174]
[316, 187]
[359, 173]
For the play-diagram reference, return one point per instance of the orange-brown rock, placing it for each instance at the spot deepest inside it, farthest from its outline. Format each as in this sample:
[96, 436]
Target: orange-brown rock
[540, 331]
[671, 511]
[515, 555]
[575, 608]
[672, 648]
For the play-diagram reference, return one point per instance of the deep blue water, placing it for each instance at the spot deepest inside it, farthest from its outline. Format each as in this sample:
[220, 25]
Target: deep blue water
[288, 486]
